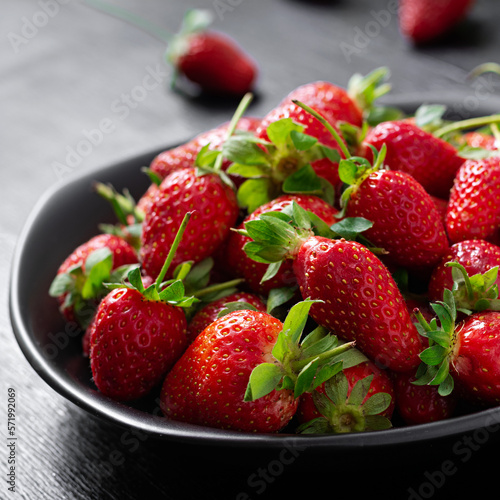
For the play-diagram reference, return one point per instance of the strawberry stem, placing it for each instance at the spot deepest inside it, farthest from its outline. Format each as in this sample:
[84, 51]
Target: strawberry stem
[217, 287]
[173, 249]
[301, 363]
[467, 124]
[133, 19]
[328, 126]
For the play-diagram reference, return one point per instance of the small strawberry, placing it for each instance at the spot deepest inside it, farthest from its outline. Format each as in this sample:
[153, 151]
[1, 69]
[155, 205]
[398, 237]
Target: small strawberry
[294, 152]
[481, 140]
[425, 20]
[216, 210]
[138, 333]
[474, 209]
[353, 409]
[432, 161]
[78, 285]
[252, 271]
[362, 302]
[421, 404]
[476, 256]
[210, 59]
[184, 156]
[464, 354]
[246, 370]
[209, 313]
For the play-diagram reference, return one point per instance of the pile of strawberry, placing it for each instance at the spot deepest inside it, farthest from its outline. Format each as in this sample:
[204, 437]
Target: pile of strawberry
[331, 267]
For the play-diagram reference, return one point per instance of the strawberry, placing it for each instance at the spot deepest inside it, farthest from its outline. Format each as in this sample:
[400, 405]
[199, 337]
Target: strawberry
[362, 302]
[209, 313]
[432, 161]
[464, 354]
[293, 151]
[252, 271]
[421, 404]
[476, 256]
[425, 20]
[78, 285]
[216, 211]
[351, 412]
[138, 333]
[473, 209]
[184, 156]
[211, 60]
[222, 380]
[481, 140]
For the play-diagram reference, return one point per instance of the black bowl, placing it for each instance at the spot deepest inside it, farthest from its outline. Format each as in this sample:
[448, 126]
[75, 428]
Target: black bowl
[69, 214]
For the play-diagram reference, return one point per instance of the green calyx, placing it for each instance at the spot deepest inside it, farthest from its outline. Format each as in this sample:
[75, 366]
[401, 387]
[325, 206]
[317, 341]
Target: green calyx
[299, 366]
[129, 216]
[83, 285]
[474, 293]
[440, 332]
[366, 90]
[280, 165]
[277, 236]
[344, 413]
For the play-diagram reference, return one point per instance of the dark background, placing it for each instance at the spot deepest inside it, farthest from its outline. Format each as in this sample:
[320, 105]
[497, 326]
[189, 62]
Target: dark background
[61, 75]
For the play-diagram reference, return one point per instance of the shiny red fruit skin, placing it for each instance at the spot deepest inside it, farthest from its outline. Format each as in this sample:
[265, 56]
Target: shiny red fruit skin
[123, 254]
[428, 159]
[215, 210]
[481, 140]
[424, 20]
[361, 300]
[381, 382]
[207, 385]
[475, 361]
[252, 271]
[477, 256]
[217, 64]
[406, 222]
[208, 314]
[421, 404]
[133, 343]
[474, 205]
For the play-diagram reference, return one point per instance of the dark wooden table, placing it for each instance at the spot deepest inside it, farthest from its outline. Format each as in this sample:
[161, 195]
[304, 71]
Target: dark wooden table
[64, 69]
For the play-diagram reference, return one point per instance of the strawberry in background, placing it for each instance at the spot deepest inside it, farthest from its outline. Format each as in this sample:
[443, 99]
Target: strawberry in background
[422, 21]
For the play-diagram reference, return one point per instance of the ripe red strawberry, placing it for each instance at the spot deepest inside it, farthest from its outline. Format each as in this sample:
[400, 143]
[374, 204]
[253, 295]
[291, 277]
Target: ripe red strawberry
[432, 161]
[405, 220]
[474, 208]
[133, 343]
[138, 333]
[233, 377]
[207, 385]
[208, 313]
[212, 60]
[421, 404]
[243, 266]
[425, 20]
[362, 302]
[184, 156]
[481, 140]
[78, 285]
[463, 354]
[215, 212]
[476, 256]
[348, 416]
